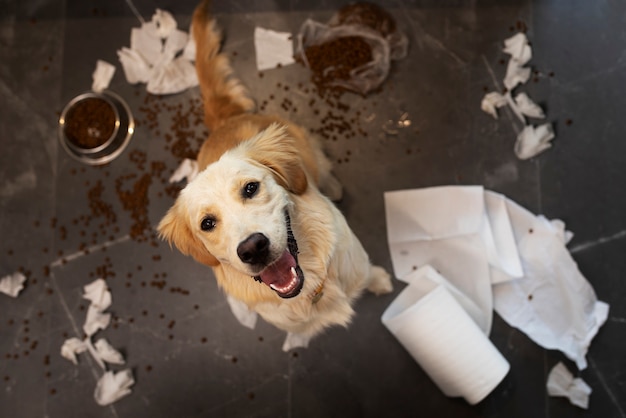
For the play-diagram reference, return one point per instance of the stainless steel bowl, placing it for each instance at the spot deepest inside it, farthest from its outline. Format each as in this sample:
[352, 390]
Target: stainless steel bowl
[111, 147]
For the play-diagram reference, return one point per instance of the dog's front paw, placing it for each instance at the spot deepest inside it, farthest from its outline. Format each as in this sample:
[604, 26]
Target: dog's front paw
[380, 281]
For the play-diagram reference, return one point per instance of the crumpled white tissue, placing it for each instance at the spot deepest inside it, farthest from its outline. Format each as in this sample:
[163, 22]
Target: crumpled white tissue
[12, 284]
[102, 75]
[188, 169]
[71, 347]
[533, 140]
[113, 386]
[97, 292]
[562, 383]
[491, 102]
[550, 301]
[160, 55]
[272, 48]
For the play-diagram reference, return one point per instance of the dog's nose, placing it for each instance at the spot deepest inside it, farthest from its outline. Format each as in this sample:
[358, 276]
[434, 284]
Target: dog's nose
[254, 249]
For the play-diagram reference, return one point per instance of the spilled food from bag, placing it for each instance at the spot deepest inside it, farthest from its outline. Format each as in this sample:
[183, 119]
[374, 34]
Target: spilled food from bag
[352, 52]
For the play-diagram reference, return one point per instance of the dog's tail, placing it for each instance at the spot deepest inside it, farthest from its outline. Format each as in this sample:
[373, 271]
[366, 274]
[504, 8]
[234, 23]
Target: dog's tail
[223, 95]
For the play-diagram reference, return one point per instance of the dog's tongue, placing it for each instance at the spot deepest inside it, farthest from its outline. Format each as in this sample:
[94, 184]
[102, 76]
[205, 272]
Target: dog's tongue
[280, 274]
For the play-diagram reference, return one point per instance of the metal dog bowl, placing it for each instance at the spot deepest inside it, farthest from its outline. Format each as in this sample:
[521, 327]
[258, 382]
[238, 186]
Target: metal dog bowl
[95, 127]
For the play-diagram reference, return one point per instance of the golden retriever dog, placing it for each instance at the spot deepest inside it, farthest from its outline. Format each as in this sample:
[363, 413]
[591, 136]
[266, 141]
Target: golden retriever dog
[255, 213]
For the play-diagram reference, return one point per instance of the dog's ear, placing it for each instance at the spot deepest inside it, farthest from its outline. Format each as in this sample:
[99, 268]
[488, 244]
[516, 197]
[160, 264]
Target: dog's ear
[175, 229]
[276, 149]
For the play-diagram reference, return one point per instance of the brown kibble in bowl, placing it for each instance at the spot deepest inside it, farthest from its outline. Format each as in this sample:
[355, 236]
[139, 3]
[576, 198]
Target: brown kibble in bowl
[90, 123]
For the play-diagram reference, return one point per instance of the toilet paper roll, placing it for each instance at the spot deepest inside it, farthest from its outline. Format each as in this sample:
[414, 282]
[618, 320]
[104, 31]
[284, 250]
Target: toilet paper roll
[445, 341]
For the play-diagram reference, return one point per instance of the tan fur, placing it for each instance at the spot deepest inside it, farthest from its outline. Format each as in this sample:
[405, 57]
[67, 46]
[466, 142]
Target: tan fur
[290, 168]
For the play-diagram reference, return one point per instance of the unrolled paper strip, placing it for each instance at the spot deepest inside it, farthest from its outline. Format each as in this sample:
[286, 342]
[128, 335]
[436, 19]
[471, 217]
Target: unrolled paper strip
[444, 340]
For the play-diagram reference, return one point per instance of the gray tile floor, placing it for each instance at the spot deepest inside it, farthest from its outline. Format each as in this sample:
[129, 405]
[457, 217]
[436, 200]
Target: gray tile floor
[190, 356]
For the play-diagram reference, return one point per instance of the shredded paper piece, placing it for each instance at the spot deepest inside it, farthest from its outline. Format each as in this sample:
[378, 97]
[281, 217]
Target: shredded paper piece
[160, 55]
[527, 107]
[107, 353]
[113, 386]
[71, 347]
[518, 48]
[293, 341]
[102, 76]
[188, 169]
[97, 292]
[12, 284]
[562, 383]
[491, 102]
[532, 140]
[246, 316]
[272, 48]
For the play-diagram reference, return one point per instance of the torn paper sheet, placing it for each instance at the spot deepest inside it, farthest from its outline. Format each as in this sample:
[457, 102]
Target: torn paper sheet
[97, 292]
[553, 304]
[272, 48]
[551, 301]
[107, 353]
[246, 316]
[527, 107]
[113, 386]
[102, 76]
[492, 102]
[188, 169]
[440, 335]
[12, 284]
[562, 383]
[293, 341]
[533, 140]
[71, 347]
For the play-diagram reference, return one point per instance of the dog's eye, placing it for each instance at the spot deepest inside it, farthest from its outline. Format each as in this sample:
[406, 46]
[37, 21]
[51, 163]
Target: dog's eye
[208, 223]
[250, 189]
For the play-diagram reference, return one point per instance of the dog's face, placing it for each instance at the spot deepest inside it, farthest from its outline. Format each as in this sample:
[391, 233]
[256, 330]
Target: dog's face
[236, 212]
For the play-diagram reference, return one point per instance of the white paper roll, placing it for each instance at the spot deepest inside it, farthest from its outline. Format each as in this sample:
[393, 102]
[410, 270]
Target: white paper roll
[445, 341]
